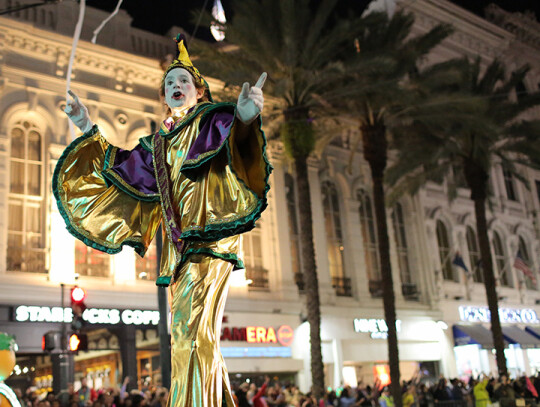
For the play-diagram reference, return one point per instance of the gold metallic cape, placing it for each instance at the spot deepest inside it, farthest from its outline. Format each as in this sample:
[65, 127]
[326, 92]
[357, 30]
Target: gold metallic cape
[226, 187]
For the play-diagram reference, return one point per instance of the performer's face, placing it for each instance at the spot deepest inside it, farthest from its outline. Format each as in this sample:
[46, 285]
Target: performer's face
[180, 90]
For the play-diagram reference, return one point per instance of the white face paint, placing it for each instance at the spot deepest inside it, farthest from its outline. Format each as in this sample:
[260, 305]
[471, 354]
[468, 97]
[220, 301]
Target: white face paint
[180, 90]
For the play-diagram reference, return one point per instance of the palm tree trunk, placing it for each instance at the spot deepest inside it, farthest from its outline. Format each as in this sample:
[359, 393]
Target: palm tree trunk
[375, 153]
[477, 180]
[309, 271]
[489, 279]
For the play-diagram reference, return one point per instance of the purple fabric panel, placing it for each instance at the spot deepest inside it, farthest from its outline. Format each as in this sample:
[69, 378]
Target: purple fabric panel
[136, 169]
[212, 134]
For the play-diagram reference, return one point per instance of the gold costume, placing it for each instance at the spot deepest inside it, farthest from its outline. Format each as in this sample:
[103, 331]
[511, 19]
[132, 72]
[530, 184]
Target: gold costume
[210, 180]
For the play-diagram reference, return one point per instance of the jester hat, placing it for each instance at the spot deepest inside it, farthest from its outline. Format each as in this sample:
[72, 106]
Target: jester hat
[183, 61]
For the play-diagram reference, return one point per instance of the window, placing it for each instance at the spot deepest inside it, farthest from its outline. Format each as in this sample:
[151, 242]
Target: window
[91, 262]
[401, 244]
[474, 256]
[26, 247]
[294, 229]
[253, 259]
[444, 253]
[146, 267]
[334, 239]
[524, 252]
[509, 184]
[459, 176]
[369, 236]
[501, 270]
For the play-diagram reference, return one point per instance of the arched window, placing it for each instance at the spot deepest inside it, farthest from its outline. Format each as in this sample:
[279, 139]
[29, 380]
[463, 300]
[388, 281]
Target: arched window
[501, 270]
[474, 256]
[524, 253]
[294, 229]
[146, 267]
[334, 239]
[91, 262]
[26, 238]
[369, 236]
[252, 248]
[401, 244]
[443, 242]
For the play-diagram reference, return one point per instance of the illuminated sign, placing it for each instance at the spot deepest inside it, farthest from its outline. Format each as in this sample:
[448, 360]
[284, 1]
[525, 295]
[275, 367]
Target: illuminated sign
[259, 334]
[256, 352]
[30, 313]
[376, 327]
[506, 315]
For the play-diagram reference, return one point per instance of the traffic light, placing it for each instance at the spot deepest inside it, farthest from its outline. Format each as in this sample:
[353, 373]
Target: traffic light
[51, 341]
[78, 295]
[77, 342]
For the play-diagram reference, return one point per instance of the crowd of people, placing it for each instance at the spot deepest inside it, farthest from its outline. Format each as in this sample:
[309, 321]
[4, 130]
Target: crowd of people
[482, 391]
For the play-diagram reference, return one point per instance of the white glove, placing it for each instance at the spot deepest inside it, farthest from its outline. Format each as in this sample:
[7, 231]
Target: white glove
[78, 113]
[250, 101]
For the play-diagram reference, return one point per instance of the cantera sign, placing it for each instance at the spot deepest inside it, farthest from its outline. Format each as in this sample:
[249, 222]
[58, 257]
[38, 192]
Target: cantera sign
[259, 334]
[30, 313]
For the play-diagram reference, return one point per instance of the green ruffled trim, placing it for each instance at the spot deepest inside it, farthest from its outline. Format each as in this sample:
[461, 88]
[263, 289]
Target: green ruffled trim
[186, 120]
[116, 180]
[163, 281]
[71, 227]
[217, 231]
[147, 142]
[238, 264]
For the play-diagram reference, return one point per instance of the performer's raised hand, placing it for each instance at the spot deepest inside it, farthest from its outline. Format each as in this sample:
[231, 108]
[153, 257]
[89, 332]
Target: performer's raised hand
[78, 113]
[251, 100]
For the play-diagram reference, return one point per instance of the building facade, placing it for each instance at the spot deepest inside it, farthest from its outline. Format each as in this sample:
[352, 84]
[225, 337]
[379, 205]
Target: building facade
[440, 307]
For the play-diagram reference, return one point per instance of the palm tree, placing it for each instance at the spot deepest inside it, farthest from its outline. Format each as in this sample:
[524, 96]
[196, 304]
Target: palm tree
[299, 43]
[496, 131]
[379, 99]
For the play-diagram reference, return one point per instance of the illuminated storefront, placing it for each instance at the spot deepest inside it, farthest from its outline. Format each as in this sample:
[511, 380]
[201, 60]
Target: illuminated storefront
[473, 341]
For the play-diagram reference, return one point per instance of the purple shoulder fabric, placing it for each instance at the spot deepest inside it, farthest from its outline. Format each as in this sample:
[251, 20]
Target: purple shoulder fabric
[212, 135]
[135, 167]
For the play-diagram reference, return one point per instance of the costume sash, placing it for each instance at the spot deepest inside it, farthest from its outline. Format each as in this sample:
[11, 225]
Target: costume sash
[172, 226]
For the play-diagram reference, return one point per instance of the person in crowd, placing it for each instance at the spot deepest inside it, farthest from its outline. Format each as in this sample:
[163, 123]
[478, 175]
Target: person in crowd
[86, 395]
[442, 392]
[386, 399]
[504, 392]
[241, 395]
[409, 398]
[481, 395]
[259, 399]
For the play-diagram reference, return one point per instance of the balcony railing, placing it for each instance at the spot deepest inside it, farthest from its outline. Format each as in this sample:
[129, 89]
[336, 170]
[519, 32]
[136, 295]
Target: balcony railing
[410, 291]
[299, 280]
[29, 260]
[259, 278]
[342, 285]
[375, 288]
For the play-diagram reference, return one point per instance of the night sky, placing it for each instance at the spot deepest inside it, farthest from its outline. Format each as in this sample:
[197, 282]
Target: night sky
[159, 15]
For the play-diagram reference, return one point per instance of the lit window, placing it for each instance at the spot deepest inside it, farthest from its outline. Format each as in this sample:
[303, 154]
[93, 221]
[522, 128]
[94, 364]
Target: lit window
[369, 236]
[444, 253]
[474, 256]
[524, 252]
[91, 262]
[252, 248]
[146, 267]
[26, 247]
[401, 244]
[501, 269]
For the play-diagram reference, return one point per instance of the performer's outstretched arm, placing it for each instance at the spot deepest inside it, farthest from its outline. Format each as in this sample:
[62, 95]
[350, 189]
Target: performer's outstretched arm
[78, 113]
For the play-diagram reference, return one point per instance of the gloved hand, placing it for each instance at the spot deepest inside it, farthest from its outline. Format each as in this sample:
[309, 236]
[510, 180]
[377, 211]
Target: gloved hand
[78, 113]
[250, 101]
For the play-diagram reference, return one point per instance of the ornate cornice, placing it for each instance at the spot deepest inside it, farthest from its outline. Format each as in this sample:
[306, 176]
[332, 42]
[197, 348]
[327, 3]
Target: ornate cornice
[523, 25]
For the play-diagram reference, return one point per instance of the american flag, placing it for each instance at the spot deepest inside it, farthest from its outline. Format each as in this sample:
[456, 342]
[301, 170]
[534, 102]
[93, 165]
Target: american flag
[520, 264]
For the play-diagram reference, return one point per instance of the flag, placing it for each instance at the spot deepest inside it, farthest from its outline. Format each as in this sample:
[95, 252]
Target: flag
[520, 264]
[530, 387]
[458, 261]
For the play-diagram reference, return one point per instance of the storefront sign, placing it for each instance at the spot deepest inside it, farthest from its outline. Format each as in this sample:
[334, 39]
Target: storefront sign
[376, 327]
[506, 315]
[259, 334]
[26, 313]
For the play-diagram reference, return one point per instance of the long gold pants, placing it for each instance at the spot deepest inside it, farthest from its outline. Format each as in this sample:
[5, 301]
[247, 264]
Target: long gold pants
[199, 377]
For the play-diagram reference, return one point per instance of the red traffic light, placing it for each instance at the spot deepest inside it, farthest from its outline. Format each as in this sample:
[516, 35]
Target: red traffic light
[78, 294]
